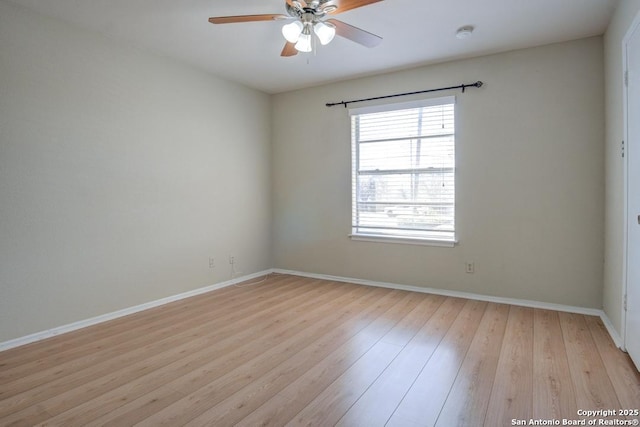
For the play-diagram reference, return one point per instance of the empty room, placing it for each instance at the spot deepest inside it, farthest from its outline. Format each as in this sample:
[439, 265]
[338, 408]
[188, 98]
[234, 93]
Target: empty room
[319, 212]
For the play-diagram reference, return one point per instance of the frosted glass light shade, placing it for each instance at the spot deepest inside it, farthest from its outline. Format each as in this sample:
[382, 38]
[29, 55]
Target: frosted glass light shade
[292, 31]
[304, 43]
[325, 32]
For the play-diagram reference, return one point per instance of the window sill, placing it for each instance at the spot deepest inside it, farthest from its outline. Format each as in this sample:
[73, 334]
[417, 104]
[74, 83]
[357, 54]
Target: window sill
[403, 240]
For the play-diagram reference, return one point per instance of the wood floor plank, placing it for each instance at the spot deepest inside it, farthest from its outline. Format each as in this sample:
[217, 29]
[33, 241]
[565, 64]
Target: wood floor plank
[468, 400]
[379, 401]
[413, 323]
[553, 392]
[309, 385]
[221, 316]
[593, 387]
[139, 333]
[245, 401]
[232, 374]
[302, 391]
[375, 357]
[191, 360]
[300, 351]
[423, 401]
[199, 400]
[332, 403]
[130, 413]
[306, 388]
[165, 336]
[272, 414]
[619, 366]
[55, 349]
[511, 394]
[59, 395]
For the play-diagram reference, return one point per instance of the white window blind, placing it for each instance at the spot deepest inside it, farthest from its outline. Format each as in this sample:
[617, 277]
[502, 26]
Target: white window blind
[403, 170]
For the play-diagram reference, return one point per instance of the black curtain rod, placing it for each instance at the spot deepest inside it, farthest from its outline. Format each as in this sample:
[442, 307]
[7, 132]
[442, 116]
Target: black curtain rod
[462, 86]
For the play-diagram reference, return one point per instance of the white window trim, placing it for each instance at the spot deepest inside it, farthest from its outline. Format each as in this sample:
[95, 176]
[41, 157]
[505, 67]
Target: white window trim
[378, 238]
[403, 240]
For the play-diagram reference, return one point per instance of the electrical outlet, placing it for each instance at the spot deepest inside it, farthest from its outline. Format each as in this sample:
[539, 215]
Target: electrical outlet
[212, 262]
[232, 259]
[469, 267]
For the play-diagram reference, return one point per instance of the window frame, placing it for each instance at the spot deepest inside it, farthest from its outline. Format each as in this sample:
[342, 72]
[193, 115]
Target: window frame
[355, 158]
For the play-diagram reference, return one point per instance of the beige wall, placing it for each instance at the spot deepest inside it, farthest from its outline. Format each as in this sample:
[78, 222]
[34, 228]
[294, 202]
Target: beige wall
[614, 218]
[120, 174]
[530, 178]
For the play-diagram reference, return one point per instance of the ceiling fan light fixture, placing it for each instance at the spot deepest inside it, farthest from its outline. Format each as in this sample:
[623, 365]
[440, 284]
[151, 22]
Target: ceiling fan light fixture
[304, 43]
[325, 32]
[304, 21]
[292, 31]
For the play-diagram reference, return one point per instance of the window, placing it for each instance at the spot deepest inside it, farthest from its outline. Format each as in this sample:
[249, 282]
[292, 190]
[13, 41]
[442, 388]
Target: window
[403, 171]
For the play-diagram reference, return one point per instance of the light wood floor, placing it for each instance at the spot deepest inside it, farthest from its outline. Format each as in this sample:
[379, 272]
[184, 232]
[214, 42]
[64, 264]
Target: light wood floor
[298, 351]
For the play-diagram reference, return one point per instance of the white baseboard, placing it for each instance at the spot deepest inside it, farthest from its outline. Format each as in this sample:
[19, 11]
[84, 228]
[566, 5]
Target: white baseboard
[448, 293]
[615, 336]
[617, 340]
[124, 312]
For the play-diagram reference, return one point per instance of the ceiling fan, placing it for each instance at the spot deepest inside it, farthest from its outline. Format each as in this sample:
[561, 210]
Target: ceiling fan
[308, 17]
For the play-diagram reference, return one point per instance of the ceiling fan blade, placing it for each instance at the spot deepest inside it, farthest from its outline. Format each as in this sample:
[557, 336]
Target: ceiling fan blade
[246, 18]
[289, 50]
[355, 34]
[345, 5]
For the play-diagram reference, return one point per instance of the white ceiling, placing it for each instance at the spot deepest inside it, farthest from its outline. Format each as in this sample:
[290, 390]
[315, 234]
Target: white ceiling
[415, 32]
